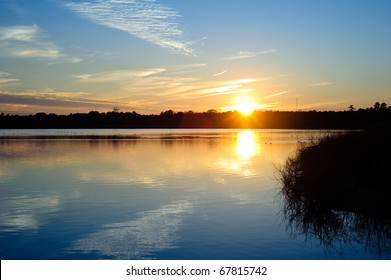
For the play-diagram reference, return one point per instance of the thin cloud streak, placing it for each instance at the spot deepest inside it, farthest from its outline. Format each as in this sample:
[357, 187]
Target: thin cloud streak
[247, 54]
[169, 87]
[6, 79]
[53, 99]
[116, 76]
[230, 92]
[222, 90]
[146, 19]
[323, 84]
[320, 105]
[181, 88]
[220, 73]
[37, 52]
[241, 81]
[225, 88]
[276, 94]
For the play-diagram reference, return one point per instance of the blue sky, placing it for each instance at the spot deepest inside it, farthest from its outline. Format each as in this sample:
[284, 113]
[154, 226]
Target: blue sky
[64, 56]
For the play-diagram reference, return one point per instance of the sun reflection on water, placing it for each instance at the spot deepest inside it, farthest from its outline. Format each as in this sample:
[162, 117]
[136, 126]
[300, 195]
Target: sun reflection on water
[241, 159]
[246, 145]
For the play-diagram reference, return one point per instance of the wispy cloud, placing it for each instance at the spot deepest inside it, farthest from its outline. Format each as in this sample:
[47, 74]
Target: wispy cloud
[276, 94]
[66, 59]
[241, 81]
[181, 88]
[26, 41]
[29, 41]
[35, 101]
[220, 73]
[247, 54]
[157, 87]
[146, 19]
[193, 65]
[47, 52]
[7, 79]
[229, 90]
[228, 87]
[186, 69]
[222, 90]
[117, 76]
[27, 33]
[322, 84]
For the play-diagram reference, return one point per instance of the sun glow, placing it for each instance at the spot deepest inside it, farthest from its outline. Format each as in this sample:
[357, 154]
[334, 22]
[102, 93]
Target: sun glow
[246, 106]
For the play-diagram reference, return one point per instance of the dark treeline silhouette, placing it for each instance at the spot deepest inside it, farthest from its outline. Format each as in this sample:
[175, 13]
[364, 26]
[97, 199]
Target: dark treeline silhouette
[350, 119]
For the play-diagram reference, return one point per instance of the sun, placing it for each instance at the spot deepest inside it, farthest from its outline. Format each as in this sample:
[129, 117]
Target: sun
[246, 106]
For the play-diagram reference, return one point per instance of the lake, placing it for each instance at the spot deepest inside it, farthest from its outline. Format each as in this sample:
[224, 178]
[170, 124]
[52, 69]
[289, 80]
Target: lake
[154, 194]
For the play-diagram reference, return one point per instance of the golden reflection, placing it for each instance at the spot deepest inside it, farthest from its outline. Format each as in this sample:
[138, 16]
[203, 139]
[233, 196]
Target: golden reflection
[244, 149]
[246, 145]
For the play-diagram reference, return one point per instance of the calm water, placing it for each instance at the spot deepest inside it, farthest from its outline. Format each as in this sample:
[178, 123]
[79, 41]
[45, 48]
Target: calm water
[164, 194]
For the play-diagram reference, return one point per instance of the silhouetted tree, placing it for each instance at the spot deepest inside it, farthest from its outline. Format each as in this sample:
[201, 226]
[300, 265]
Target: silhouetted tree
[168, 112]
[351, 108]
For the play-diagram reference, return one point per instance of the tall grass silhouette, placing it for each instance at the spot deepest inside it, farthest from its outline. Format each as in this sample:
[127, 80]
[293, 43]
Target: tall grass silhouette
[337, 189]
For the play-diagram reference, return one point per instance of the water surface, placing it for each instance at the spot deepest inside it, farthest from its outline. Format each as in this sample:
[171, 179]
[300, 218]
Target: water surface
[152, 194]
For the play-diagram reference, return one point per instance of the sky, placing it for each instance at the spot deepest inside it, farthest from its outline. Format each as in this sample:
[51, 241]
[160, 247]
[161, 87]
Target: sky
[148, 56]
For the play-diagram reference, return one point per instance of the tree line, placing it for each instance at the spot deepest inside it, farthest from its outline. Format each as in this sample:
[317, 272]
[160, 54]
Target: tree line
[349, 119]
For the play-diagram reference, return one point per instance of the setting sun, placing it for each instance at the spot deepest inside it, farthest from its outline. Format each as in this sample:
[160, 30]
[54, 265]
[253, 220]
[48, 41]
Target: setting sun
[246, 106]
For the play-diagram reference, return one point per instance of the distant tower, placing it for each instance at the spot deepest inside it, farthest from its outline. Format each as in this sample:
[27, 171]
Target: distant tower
[297, 104]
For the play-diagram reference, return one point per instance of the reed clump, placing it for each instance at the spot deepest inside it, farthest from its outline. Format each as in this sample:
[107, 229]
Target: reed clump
[348, 172]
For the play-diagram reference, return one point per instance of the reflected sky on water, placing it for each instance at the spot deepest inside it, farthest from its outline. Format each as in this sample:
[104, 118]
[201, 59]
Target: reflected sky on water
[177, 194]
